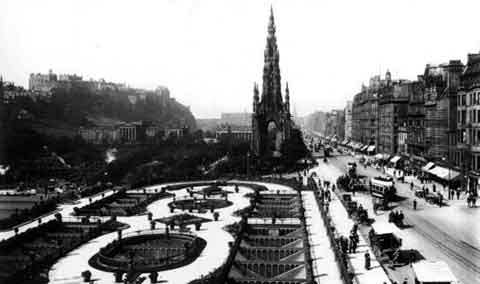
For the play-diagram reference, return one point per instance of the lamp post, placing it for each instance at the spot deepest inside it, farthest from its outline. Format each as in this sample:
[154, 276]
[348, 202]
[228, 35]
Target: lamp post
[449, 181]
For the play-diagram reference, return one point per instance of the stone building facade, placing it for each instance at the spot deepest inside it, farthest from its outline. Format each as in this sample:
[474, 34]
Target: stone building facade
[440, 85]
[467, 155]
[348, 120]
[392, 114]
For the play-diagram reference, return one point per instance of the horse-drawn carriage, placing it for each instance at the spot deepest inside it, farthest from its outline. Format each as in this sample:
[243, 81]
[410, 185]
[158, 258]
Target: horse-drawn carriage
[383, 241]
[353, 184]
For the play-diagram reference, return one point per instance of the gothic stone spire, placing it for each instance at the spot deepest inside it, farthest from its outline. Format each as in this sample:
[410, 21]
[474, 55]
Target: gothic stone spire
[271, 91]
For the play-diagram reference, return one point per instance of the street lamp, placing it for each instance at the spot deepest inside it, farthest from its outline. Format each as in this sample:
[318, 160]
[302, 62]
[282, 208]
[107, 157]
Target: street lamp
[449, 181]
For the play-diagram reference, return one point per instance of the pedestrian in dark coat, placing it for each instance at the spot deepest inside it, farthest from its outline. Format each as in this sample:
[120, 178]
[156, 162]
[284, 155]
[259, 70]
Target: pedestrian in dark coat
[367, 261]
[414, 204]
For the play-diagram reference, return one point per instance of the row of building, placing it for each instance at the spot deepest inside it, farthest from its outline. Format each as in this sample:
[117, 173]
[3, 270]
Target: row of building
[49, 81]
[435, 118]
[128, 133]
[41, 86]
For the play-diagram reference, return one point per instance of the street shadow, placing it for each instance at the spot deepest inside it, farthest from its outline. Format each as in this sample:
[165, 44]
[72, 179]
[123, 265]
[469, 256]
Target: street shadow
[405, 257]
[398, 198]
[404, 226]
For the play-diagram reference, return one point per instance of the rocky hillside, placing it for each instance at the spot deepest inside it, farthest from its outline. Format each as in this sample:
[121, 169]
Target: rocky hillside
[79, 106]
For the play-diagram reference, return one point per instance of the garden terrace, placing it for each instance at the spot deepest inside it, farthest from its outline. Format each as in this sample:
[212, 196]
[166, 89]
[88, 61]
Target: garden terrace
[182, 220]
[199, 204]
[274, 253]
[15, 209]
[121, 203]
[148, 251]
[25, 255]
[276, 206]
[273, 250]
[180, 186]
[212, 190]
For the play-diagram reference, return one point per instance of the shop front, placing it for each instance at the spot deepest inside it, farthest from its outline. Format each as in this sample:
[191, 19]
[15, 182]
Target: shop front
[473, 182]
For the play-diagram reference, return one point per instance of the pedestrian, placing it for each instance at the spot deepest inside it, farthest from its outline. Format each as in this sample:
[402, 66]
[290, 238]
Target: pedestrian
[400, 218]
[353, 246]
[411, 186]
[391, 217]
[414, 204]
[350, 248]
[434, 188]
[344, 245]
[367, 261]
[355, 228]
[458, 194]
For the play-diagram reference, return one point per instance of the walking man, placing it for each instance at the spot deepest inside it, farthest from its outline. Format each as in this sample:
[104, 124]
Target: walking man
[414, 204]
[367, 261]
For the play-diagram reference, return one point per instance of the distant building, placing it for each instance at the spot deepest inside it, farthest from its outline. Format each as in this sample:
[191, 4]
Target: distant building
[365, 115]
[207, 124]
[416, 124]
[348, 120]
[335, 124]
[236, 118]
[402, 135]
[69, 77]
[467, 156]
[392, 113]
[128, 132]
[42, 82]
[234, 136]
[441, 84]
[100, 135]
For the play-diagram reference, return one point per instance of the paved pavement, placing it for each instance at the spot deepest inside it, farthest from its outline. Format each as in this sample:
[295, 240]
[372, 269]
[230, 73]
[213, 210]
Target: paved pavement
[343, 224]
[449, 233]
[325, 268]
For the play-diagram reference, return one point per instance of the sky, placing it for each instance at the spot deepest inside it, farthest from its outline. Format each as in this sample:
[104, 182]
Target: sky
[210, 53]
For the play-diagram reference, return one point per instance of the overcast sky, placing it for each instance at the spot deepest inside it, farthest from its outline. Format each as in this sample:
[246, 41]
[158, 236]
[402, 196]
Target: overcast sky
[209, 53]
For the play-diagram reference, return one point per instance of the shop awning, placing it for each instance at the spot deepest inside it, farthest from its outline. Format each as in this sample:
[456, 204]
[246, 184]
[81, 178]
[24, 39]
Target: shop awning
[395, 159]
[364, 148]
[378, 156]
[428, 166]
[371, 148]
[444, 173]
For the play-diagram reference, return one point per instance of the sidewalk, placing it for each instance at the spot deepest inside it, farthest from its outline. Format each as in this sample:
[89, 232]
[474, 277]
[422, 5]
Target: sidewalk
[443, 190]
[343, 225]
[324, 264]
